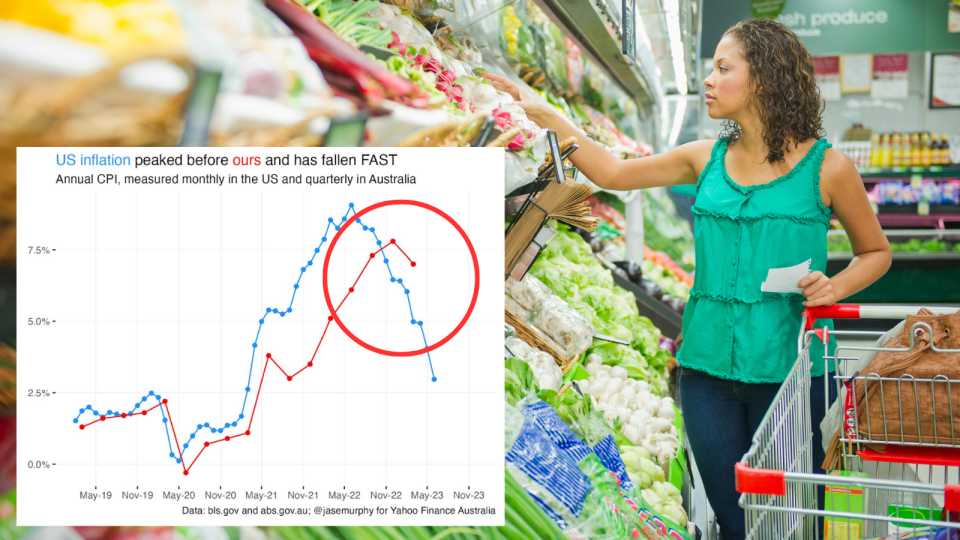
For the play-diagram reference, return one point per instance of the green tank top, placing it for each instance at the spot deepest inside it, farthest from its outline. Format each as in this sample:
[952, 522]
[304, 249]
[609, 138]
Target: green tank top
[731, 329]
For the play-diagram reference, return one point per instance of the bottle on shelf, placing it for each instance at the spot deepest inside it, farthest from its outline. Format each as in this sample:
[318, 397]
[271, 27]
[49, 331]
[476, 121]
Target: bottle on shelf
[944, 150]
[896, 151]
[908, 143]
[875, 152]
[935, 156]
[915, 151]
[886, 152]
[926, 153]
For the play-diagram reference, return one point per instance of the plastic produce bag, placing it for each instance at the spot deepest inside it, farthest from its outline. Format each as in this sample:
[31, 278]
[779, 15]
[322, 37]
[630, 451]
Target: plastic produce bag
[529, 292]
[544, 367]
[547, 419]
[568, 328]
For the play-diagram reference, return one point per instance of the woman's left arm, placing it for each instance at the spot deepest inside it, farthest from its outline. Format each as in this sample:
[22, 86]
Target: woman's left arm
[842, 190]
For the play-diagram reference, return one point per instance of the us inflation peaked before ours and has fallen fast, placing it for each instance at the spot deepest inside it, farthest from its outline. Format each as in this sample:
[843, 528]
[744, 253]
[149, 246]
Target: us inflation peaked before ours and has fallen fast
[179, 451]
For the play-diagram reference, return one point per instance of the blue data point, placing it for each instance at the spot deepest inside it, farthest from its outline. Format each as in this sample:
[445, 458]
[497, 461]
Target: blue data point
[295, 286]
[261, 321]
[365, 228]
[317, 250]
[109, 411]
[185, 446]
[303, 268]
[137, 406]
[213, 430]
[199, 426]
[330, 220]
[386, 261]
[241, 416]
[413, 321]
[227, 424]
[372, 229]
[171, 454]
[254, 345]
[178, 460]
[309, 263]
[275, 310]
[81, 411]
[220, 430]
[234, 424]
[206, 424]
[193, 435]
[399, 280]
[406, 291]
[247, 389]
[75, 421]
[289, 309]
[164, 420]
[351, 205]
[284, 313]
[379, 243]
[150, 393]
[96, 413]
[336, 227]
[420, 323]
[434, 379]
[89, 407]
[143, 399]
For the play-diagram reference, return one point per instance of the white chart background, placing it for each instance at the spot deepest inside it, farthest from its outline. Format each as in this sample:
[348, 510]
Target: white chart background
[161, 288]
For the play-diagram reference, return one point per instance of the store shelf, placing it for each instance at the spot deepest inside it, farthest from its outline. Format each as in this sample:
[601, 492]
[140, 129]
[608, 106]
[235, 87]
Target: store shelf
[872, 174]
[890, 219]
[913, 278]
[667, 320]
[586, 24]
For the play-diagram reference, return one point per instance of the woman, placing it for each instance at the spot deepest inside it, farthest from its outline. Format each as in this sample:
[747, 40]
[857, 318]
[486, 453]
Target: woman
[765, 193]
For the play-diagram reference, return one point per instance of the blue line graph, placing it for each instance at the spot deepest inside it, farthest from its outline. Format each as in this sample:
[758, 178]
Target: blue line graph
[136, 409]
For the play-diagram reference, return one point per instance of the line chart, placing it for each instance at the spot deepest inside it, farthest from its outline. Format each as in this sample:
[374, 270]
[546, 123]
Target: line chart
[263, 351]
[162, 402]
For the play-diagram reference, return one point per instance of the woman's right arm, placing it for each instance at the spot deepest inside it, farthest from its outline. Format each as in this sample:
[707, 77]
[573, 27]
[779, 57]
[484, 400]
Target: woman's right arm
[682, 165]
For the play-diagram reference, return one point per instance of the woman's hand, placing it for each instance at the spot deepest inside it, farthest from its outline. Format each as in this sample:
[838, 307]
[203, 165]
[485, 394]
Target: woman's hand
[535, 110]
[818, 289]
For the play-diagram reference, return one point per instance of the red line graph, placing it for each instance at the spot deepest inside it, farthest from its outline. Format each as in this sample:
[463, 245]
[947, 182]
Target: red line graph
[267, 362]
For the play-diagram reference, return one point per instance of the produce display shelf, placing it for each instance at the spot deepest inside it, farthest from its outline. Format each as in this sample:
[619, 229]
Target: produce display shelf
[667, 320]
[913, 278]
[586, 24]
[872, 174]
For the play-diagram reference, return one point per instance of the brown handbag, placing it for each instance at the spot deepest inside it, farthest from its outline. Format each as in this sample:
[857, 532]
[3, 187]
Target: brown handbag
[904, 410]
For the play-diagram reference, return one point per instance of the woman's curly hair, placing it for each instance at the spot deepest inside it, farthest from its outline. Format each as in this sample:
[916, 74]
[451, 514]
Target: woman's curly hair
[785, 92]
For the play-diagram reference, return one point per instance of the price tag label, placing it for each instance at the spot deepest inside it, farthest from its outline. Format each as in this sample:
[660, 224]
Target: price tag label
[898, 169]
[916, 180]
[916, 169]
[936, 168]
[923, 208]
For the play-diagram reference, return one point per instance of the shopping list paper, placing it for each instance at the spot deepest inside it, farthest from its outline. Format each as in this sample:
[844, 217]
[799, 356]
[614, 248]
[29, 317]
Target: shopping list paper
[785, 280]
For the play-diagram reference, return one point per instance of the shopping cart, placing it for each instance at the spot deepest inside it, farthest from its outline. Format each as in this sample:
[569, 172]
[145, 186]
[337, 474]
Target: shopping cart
[910, 486]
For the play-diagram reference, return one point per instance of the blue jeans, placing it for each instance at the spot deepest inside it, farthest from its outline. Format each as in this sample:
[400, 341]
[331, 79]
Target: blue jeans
[720, 417]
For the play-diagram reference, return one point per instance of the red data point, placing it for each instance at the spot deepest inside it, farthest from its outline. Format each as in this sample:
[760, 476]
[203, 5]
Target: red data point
[103, 418]
[309, 364]
[330, 318]
[164, 401]
[269, 356]
[248, 432]
[392, 241]
[83, 427]
[206, 444]
[412, 263]
[351, 289]
[124, 415]
[227, 438]
[186, 473]
[289, 378]
[372, 255]
[144, 413]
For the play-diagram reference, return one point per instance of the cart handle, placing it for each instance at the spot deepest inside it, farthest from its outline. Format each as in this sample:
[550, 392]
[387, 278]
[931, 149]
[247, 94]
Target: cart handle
[760, 481]
[855, 311]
